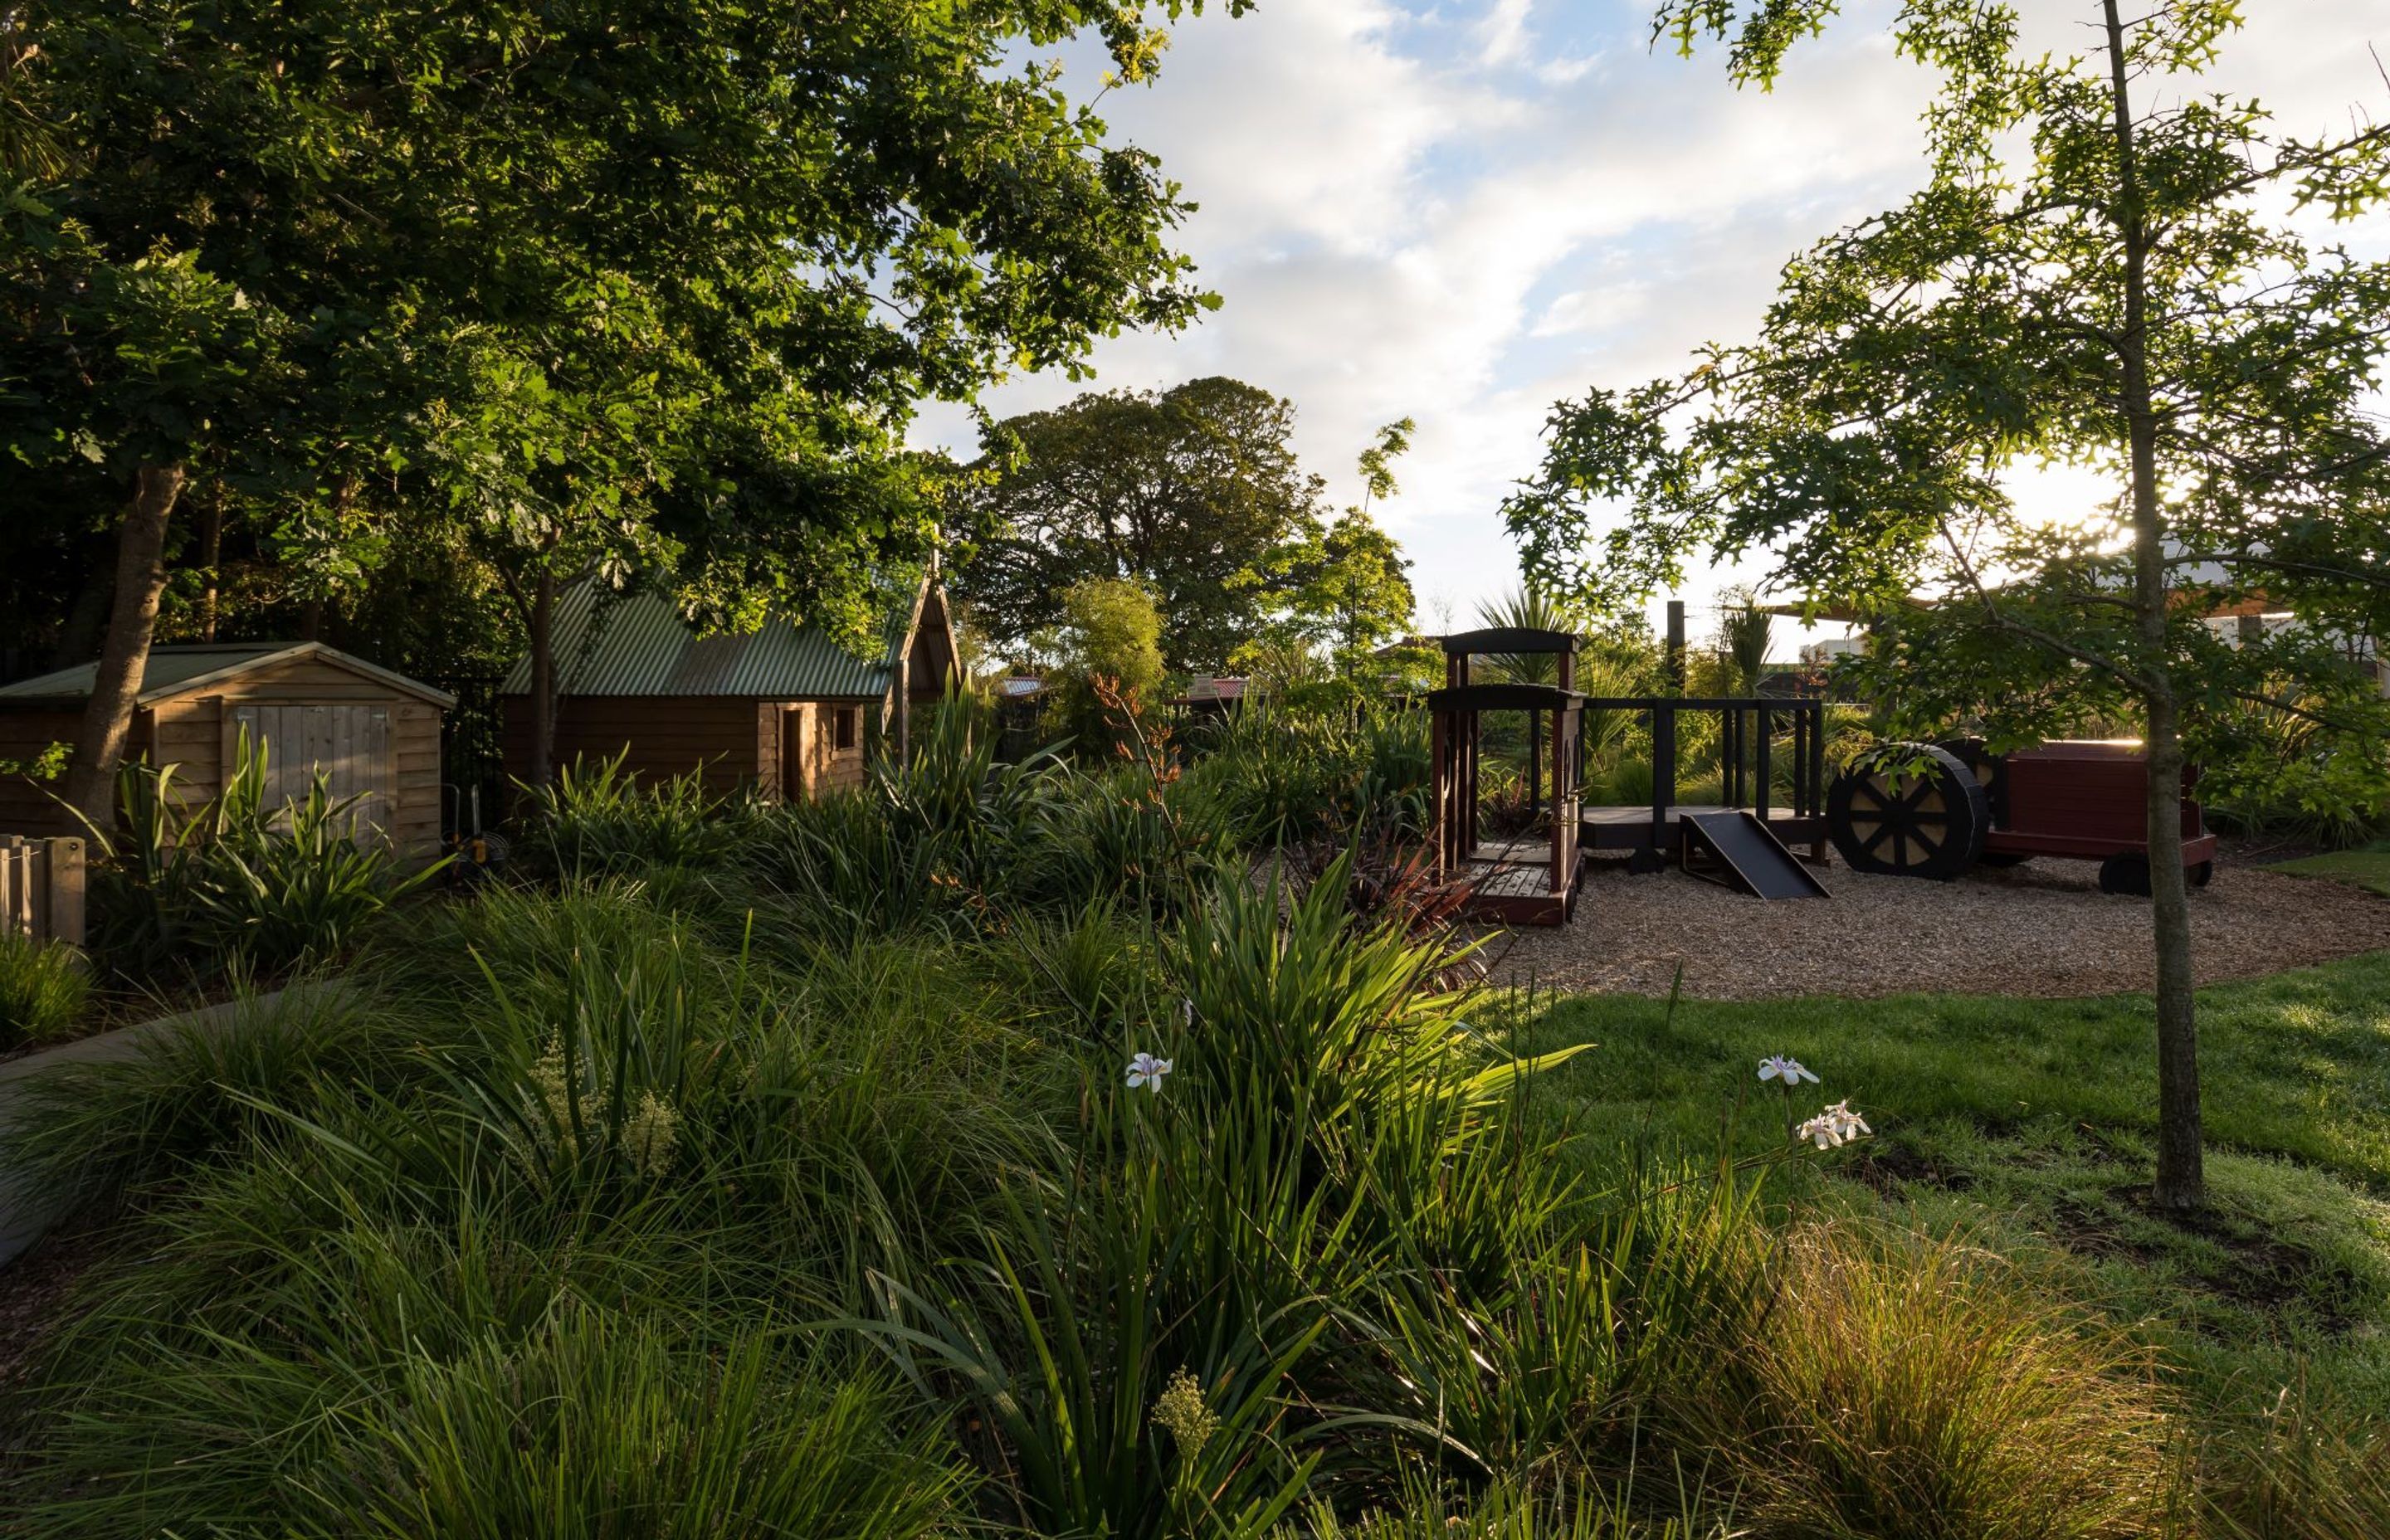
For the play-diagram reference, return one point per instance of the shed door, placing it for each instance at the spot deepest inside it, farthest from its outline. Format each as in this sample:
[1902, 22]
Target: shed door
[349, 746]
[796, 780]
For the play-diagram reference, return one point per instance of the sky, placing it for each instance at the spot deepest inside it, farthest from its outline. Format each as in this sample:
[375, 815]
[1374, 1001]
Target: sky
[1464, 213]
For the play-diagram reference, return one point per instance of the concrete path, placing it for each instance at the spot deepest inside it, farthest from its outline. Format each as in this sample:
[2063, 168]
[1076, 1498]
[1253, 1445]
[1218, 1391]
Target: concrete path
[24, 1215]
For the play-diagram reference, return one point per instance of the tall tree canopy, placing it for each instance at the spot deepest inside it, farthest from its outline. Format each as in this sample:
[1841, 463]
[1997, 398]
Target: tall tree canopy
[1346, 594]
[1358, 591]
[2089, 275]
[1193, 492]
[646, 286]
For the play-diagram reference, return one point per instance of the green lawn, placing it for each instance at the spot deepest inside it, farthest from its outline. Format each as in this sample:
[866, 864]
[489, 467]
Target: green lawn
[2027, 1123]
[2369, 868]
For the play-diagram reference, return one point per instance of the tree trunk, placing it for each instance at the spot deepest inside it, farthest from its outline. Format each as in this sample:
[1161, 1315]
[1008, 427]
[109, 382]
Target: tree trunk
[124, 653]
[543, 679]
[211, 559]
[2182, 1177]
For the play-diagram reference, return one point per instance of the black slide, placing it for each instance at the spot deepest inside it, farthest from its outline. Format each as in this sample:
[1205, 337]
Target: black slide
[1737, 850]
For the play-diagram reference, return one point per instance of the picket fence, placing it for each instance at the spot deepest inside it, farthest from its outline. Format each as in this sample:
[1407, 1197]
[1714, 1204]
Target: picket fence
[42, 888]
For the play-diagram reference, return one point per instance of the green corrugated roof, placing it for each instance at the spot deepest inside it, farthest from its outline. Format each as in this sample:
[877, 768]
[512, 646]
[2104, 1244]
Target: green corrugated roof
[642, 645]
[172, 667]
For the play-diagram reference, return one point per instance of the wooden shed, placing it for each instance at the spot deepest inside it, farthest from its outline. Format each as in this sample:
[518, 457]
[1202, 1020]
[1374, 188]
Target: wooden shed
[783, 709]
[373, 734]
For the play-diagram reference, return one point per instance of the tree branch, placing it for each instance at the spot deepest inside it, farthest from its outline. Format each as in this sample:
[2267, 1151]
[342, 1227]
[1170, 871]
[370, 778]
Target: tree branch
[1994, 618]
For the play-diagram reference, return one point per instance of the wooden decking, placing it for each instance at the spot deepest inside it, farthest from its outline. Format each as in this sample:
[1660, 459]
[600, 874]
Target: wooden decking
[1511, 881]
[1630, 828]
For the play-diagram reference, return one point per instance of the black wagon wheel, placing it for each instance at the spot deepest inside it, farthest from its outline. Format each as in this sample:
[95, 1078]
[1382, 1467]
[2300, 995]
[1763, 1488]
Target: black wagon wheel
[1930, 822]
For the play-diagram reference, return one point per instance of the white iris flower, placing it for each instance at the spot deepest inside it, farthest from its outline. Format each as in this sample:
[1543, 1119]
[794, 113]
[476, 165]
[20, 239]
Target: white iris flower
[1790, 1071]
[1834, 1127]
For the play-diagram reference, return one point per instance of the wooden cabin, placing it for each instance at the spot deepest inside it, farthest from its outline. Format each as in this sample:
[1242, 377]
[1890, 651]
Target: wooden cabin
[373, 733]
[783, 709]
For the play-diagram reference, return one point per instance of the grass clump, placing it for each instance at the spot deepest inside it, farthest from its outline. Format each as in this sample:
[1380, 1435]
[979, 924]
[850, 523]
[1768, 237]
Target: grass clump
[591, 1427]
[1895, 1385]
[43, 988]
[2299, 1468]
[599, 817]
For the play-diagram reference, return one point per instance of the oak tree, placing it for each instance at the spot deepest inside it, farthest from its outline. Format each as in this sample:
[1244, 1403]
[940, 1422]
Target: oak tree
[645, 287]
[1194, 491]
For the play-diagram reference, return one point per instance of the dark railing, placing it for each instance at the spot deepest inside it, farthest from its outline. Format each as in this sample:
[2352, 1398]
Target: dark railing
[1752, 731]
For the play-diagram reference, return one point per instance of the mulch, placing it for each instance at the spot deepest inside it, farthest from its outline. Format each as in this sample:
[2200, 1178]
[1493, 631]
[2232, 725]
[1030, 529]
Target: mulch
[2043, 928]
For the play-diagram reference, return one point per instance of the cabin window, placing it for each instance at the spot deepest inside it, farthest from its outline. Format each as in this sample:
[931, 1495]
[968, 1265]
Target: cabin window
[842, 725]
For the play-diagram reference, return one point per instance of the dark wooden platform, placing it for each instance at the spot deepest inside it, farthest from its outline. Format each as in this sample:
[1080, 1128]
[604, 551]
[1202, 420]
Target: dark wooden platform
[1512, 883]
[1630, 828]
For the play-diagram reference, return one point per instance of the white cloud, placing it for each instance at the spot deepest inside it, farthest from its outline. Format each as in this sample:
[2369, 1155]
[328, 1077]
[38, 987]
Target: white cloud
[1503, 34]
[1466, 216]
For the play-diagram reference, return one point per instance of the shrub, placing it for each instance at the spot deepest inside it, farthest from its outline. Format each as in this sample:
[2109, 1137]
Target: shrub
[1891, 1384]
[93, 1131]
[1111, 634]
[364, 1227]
[277, 896]
[845, 868]
[600, 817]
[589, 1429]
[1154, 1328]
[234, 882]
[43, 990]
[1283, 774]
[1122, 838]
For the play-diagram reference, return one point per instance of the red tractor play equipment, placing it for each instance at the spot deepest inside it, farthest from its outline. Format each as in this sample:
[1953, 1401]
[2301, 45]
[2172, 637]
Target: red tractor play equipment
[1960, 806]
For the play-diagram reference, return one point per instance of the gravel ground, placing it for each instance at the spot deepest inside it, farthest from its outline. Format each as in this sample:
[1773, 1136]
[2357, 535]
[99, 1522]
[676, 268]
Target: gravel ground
[2042, 929]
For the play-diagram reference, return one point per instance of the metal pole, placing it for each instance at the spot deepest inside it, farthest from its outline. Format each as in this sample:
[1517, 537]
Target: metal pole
[1761, 768]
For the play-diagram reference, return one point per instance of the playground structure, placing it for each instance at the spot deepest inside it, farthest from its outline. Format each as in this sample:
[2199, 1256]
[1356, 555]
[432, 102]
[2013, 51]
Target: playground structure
[1915, 810]
[1532, 877]
[1519, 880]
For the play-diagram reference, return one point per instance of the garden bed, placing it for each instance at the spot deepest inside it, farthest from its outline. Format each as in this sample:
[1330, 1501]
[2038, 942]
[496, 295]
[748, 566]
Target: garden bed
[2043, 929]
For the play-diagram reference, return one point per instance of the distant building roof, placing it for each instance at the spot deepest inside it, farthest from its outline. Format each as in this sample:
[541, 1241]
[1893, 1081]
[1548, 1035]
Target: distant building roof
[1020, 688]
[178, 669]
[640, 644]
[1207, 691]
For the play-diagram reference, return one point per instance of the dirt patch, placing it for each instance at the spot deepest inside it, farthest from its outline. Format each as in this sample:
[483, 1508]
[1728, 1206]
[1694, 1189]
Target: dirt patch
[33, 1290]
[2040, 930]
[2266, 1272]
[1889, 1168]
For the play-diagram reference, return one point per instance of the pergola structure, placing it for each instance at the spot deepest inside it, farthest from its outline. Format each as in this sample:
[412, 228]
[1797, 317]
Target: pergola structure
[1524, 879]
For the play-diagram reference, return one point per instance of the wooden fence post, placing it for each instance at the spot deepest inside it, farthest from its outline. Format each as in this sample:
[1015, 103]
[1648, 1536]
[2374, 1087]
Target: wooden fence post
[14, 915]
[41, 889]
[67, 890]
